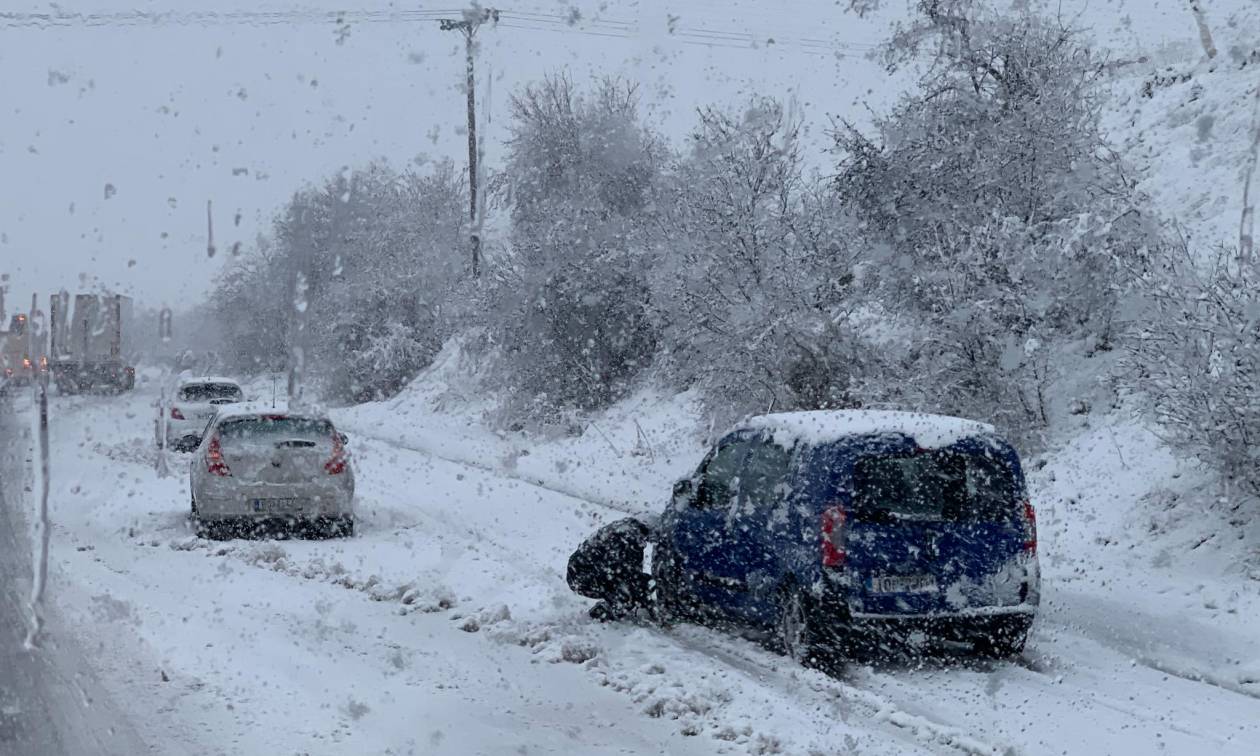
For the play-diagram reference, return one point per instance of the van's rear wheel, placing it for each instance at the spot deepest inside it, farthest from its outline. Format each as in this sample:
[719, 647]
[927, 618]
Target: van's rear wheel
[798, 627]
[1002, 640]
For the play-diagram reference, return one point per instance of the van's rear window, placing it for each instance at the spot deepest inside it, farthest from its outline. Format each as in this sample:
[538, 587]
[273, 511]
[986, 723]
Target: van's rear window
[935, 486]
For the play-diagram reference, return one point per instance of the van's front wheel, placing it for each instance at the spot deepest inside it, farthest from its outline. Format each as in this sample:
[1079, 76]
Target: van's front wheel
[798, 627]
[668, 604]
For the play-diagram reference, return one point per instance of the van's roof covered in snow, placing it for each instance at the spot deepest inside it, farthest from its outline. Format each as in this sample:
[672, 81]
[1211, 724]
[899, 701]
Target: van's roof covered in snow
[207, 379]
[821, 426]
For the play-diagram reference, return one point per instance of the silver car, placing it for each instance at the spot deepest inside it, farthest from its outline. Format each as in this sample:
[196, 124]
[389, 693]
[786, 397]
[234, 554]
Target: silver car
[260, 470]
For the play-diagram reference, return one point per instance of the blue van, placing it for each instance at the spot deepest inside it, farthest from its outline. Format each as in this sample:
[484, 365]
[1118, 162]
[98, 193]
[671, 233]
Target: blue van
[833, 529]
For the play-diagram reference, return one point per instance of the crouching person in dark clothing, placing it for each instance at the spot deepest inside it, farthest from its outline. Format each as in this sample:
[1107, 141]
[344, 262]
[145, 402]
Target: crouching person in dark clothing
[609, 566]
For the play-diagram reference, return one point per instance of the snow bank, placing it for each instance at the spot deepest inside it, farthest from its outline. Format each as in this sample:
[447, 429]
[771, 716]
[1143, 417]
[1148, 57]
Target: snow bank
[625, 458]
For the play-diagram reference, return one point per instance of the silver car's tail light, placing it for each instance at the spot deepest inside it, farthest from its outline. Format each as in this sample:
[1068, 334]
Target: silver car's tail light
[336, 464]
[215, 464]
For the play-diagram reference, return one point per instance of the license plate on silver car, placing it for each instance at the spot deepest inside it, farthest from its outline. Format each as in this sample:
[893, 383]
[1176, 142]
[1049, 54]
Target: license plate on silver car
[902, 584]
[277, 505]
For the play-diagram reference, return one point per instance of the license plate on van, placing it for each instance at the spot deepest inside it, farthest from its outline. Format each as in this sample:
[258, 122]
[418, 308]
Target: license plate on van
[902, 584]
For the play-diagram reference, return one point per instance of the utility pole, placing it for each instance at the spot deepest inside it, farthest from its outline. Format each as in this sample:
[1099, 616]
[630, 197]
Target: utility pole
[300, 303]
[209, 231]
[1205, 32]
[473, 18]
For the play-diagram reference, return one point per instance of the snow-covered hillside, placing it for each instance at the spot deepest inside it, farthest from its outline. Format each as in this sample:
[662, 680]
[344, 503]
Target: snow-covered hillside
[1187, 124]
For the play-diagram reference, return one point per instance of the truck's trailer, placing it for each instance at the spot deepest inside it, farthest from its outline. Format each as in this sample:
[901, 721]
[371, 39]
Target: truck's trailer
[90, 344]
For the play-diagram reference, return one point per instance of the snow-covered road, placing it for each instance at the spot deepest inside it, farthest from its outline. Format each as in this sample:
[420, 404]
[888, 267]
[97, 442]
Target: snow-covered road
[445, 627]
[51, 702]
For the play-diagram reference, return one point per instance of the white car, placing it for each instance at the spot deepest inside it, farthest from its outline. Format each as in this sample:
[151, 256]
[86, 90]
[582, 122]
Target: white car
[195, 402]
[260, 469]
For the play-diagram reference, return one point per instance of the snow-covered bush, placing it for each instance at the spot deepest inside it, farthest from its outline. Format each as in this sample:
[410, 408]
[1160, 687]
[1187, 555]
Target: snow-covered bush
[1001, 220]
[1194, 353]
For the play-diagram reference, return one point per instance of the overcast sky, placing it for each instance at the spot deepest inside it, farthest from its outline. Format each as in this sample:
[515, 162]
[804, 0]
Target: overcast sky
[117, 130]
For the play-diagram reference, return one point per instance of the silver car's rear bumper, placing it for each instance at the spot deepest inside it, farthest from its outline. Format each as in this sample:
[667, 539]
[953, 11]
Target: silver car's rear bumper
[263, 501]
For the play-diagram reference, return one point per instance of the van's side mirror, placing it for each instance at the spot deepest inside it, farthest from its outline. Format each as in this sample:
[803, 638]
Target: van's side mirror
[683, 491]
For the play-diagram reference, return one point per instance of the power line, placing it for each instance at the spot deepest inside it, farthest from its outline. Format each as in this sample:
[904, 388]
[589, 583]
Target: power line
[589, 33]
[521, 20]
[138, 18]
[690, 36]
[574, 21]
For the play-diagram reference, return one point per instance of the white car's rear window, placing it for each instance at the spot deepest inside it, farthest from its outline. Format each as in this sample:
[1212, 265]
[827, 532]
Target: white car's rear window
[206, 392]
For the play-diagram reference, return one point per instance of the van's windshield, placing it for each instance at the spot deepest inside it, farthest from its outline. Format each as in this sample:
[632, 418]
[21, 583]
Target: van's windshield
[938, 485]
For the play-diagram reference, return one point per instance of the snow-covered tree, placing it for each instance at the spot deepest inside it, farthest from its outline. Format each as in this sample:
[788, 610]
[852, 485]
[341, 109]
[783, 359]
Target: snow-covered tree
[398, 288]
[250, 319]
[1194, 353]
[570, 304]
[375, 254]
[754, 285]
[1004, 219]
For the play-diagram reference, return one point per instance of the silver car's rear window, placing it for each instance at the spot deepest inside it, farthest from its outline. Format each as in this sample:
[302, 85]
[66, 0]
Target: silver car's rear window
[269, 429]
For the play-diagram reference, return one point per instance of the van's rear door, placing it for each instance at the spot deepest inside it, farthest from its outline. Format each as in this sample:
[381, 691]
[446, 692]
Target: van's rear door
[933, 531]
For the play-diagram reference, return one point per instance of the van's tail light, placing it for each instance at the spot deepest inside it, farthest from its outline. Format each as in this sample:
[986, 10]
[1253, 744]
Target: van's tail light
[1030, 529]
[215, 464]
[833, 537]
[336, 464]
[176, 414]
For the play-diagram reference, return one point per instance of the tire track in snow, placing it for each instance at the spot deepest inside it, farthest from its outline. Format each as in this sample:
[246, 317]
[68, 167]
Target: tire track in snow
[1052, 686]
[925, 731]
[1205, 678]
[499, 471]
[1141, 641]
[1166, 666]
[269, 554]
